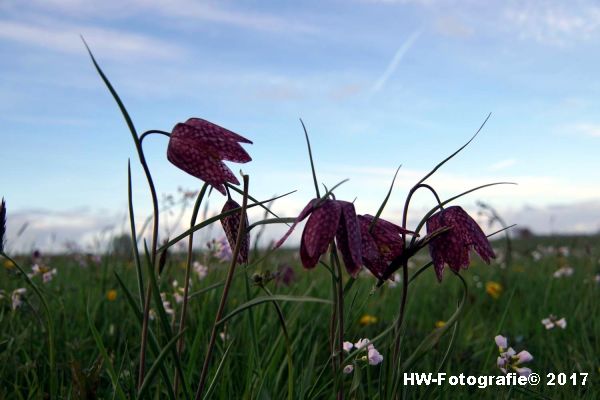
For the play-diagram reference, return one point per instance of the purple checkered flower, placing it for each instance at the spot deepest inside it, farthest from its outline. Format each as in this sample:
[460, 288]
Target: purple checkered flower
[329, 219]
[452, 247]
[231, 226]
[199, 147]
[380, 245]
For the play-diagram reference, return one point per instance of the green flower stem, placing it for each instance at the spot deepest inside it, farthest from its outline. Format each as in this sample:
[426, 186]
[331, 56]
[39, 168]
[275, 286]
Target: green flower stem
[229, 279]
[142, 158]
[186, 287]
[340, 316]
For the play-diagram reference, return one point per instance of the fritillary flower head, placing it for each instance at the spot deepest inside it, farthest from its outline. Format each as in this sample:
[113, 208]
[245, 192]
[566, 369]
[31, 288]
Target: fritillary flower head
[452, 247]
[329, 219]
[231, 226]
[199, 148]
[510, 360]
[381, 244]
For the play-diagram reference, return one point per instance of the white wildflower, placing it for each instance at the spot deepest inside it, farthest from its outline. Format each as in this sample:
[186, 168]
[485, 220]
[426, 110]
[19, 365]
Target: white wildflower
[17, 297]
[552, 321]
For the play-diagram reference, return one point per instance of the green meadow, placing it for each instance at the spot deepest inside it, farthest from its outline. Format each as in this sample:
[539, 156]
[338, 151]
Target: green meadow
[95, 314]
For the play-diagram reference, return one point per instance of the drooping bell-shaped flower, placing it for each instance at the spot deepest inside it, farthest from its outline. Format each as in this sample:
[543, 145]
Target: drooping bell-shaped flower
[453, 247]
[231, 225]
[381, 244]
[199, 148]
[329, 219]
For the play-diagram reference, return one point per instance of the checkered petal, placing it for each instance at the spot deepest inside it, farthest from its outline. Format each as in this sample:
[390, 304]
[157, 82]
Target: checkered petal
[199, 147]
[220, 139]
[320, 230]
[452, 248]
[308, 261]
[349, 239]
[382, 244]
[231, 225]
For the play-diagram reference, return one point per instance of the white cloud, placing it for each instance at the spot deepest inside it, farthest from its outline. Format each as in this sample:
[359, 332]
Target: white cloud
[182, 10]
[109, 42]
[583, 129]
[572, 218]
[554, 23]
[452, 26]
[503, 164]
[51, 230]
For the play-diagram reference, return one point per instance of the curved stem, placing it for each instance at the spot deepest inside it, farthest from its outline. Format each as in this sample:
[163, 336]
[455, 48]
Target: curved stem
[229, 279]
[142, 158]
[400, 320]
[432, 190]
[153, 131]
[340, 312]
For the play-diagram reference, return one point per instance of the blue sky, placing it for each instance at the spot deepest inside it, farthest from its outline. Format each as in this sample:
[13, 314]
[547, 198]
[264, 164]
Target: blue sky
[378, 83]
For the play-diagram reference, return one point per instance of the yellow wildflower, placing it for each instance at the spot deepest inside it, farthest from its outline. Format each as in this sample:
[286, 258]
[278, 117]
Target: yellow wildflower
[494, 289]
[8, 264]
[367, 320]
[111, 295]
[440, 324]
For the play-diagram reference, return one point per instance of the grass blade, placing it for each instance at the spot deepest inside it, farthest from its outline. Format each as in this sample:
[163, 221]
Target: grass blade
[158, 363]
[312, 162]
[385, 200]
[455, 153]
[111, 370]
[153, 342]
[265, 299]
[211, 387]
[434, 337]
[209, 221]
[136, 252]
